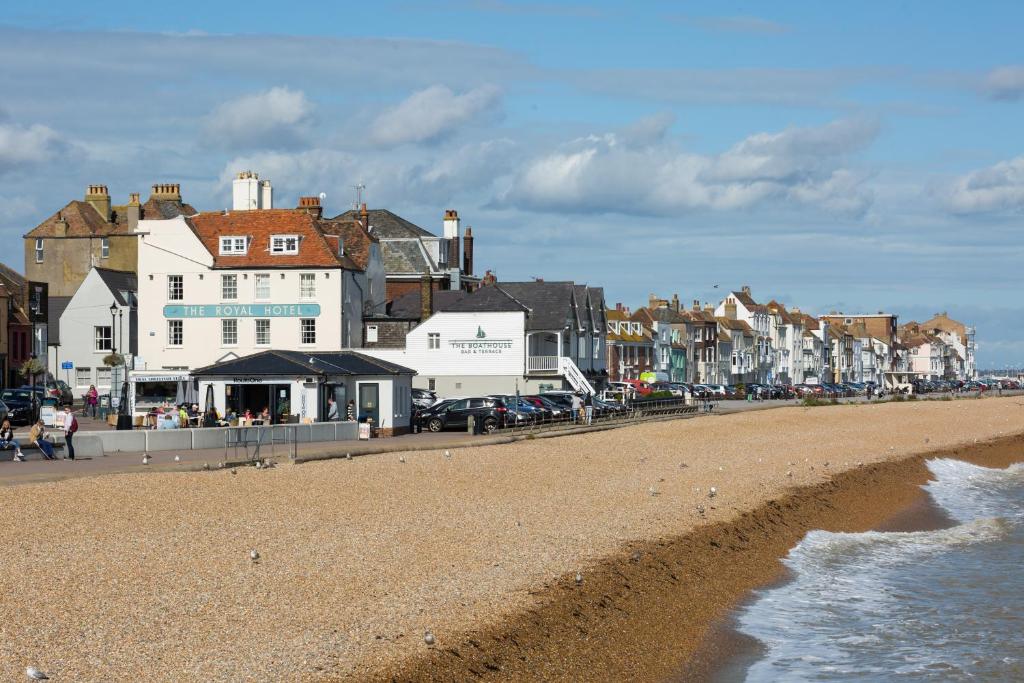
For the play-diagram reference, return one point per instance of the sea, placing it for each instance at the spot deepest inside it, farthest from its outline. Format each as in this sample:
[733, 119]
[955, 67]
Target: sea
[942, 605]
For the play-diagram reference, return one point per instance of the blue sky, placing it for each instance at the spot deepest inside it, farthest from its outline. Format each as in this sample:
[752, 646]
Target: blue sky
[855, 157]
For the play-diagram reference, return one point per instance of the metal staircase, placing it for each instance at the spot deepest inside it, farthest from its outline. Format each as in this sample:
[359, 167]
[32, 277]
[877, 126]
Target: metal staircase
[572, 374]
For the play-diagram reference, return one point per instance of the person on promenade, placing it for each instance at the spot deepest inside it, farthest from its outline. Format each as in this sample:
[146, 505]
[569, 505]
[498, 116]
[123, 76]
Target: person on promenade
[332, 409]
[70, 427]
[576, 406]
[7, 441]
[168, 421]
[92, 398]
[350, 410]
[588, 408]
[37, 437]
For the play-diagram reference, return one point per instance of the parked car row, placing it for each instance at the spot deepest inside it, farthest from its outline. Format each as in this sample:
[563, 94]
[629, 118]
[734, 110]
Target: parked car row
[499, 411]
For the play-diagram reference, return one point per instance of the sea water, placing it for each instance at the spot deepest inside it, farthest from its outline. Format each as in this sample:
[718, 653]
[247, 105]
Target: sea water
[944, 605]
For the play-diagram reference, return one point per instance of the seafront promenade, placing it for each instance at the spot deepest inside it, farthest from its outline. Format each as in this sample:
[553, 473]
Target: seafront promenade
[148, 575]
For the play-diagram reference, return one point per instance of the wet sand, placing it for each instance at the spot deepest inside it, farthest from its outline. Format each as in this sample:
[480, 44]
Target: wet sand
[148, 575]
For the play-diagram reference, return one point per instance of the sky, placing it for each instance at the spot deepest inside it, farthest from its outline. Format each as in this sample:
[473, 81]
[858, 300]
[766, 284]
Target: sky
[851, 157]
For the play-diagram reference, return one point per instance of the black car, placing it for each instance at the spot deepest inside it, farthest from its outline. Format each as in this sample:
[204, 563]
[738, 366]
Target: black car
[488, 413]
[21, 408]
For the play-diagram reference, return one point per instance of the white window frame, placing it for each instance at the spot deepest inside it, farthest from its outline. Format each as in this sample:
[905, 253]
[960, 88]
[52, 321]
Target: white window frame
[229, 331]
[104, 376]
[181, 288]
[97, 345]
[307, 292]
[284, 245]
[265, 277]
[231, 278]
[39, 250]
[371, 333]
[257, 331]
[79, 372]
[105, 247]
[234, 245]
[305, 323]
[171, 325]
[433, 340]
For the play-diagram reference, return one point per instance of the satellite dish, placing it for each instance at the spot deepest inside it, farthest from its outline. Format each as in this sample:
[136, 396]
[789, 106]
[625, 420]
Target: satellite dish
[323, 196]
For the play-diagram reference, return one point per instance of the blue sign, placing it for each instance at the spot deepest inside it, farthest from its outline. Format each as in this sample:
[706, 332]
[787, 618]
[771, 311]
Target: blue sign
[67, 365]
[243, 311]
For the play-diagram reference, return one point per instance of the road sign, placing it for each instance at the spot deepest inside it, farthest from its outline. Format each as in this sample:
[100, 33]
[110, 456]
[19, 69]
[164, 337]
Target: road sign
[67, 365]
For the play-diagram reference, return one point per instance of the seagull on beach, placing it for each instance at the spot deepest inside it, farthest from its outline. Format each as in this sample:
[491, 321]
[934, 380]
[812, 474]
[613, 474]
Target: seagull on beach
[177, 458]
[401, 458]
[447, 455]
[428, 638]
[653, 491]
[35, 674]
[145, 458]
[579, 578]
[254, 555]
[712, 492]
[348, 456]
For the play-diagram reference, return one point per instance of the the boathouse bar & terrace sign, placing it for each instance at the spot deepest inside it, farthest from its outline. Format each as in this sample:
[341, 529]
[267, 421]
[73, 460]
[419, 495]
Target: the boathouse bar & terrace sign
[243, 311]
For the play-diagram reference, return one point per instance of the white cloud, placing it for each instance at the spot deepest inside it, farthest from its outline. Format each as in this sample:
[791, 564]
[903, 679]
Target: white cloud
[616, 173]
[1005, 83]
[271, 119]
[26, 145]
[432, 113]
[998, 188]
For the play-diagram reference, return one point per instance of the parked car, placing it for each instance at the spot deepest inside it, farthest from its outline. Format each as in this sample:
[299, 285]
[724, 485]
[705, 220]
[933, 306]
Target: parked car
[423, 398]
[60, 390]
[558, 411]
[21, 405]
[489, 413]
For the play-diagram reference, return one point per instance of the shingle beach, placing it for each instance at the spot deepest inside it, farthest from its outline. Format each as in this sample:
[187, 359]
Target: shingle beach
[148, 576]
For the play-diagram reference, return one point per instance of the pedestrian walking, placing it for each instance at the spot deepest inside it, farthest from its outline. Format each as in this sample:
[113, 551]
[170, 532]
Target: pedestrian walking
[332, 410]
[37, 437]
[7, 441]
[577, 405]
[70, 427]
[588, 407]
[92, 398]
[350, 410]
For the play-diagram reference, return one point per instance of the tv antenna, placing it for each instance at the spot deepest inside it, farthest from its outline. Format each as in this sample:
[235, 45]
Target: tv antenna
[359, 195]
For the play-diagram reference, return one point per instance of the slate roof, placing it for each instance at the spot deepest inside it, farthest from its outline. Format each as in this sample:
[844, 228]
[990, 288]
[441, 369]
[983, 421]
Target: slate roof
[55, 309]
[14, 282]
[386, 225]
[118, 281]
[405, 256]
[295, 363]
[407, 306]
[315, 250]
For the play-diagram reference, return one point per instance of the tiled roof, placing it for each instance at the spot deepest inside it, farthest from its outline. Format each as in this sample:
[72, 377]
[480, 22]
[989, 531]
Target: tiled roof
[386, 225]
[291, 363]
[356, 242]
[735, 325]
[490, 299]
[314, 248]
[405, 256]
[13, 281]
[85, 221]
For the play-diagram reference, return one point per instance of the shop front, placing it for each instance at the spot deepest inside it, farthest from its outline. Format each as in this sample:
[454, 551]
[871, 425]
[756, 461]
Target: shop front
[294, 387]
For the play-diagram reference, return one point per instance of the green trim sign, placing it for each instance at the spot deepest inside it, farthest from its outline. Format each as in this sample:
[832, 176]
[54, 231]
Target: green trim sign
[243, 311]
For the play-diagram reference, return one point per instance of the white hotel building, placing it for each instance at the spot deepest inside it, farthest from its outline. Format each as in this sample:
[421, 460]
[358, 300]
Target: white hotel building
[223, 285]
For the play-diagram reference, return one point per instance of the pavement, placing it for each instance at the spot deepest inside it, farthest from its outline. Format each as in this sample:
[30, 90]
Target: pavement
[36, 469]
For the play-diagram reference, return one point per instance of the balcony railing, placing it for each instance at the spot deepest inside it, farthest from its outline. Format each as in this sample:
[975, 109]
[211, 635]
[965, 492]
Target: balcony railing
[542, 364]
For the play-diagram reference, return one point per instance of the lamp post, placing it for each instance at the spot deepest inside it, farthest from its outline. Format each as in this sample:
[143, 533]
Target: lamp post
[113, 345]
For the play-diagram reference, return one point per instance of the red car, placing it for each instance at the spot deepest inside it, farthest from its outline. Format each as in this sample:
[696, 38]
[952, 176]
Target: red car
[641, 388]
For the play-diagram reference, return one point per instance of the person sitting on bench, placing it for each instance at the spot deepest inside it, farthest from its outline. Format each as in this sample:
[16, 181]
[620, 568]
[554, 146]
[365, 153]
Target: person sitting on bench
[37, 437]
[7, 441]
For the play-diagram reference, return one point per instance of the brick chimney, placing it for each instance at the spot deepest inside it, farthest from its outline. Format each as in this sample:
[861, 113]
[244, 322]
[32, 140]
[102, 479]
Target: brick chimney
[746, 290]
[426, 296]
[364, 218]
[61, 229]
[618, 307]
[730, 308]
[311, 205]
[133, 211]
[168, 191]
[696, 304]
[99, 198]
[489, 278]
[675, 303]
[467, 251]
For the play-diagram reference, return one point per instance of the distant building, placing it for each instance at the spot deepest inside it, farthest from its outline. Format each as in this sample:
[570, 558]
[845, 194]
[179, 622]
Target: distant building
[408, 251]
[94, 233]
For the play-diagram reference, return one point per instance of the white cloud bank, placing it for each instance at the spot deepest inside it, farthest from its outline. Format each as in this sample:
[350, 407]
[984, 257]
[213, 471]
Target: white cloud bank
[1005, 83]
[998, 188]
[432, 113]
[628, 173]
[22, 146]
[271, 119]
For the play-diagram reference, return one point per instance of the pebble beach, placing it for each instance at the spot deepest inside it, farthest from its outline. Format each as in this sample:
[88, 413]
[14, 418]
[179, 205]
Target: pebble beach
[148, 576]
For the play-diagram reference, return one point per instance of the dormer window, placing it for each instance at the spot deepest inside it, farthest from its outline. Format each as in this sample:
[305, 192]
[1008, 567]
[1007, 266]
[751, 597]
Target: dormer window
[613, 327]
[284, 244]
[233, 246]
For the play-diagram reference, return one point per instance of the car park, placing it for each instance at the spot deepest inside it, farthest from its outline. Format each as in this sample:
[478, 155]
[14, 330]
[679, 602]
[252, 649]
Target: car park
[22, 405]
[488, 413]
